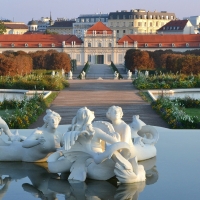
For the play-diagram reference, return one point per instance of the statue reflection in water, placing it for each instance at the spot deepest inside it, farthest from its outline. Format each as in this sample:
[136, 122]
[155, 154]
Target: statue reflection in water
[45, 185]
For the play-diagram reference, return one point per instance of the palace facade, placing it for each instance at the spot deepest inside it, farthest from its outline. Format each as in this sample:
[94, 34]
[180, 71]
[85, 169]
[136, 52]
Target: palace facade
[99, 44]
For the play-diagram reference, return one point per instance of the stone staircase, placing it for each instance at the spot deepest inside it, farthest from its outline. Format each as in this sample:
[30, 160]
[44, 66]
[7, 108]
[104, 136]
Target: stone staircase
[100, 71]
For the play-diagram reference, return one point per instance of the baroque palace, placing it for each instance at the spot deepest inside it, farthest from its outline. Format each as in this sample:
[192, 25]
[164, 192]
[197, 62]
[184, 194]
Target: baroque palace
[99, 44]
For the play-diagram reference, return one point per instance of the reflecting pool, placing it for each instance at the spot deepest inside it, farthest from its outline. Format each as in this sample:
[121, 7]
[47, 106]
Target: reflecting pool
[20, 94]
[175, 93]
[173, 174]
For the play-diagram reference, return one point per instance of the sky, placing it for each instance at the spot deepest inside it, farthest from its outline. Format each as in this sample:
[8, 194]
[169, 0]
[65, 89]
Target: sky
[26, 10]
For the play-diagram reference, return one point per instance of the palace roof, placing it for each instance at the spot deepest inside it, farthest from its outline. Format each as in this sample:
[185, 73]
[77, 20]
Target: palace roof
[161, 40]
[99, 27]
[37, 40]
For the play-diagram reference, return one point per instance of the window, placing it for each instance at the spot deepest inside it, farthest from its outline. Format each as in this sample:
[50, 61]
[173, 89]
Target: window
[87, 20]
[145, 16]
[89, 58]
[99, 44]
[89, 44]
[82, 20]
[167, 17]
[117, 16]
[124, 17]
[92, 19]
[157, 23]
[78, 57]
[172, 17]
[111, 17]
[124, 23]
[102, 20]
[150, 24]
[150, 16]
[117, 31]
[109, 57]
[139, 23]
[109, 44]
[124, 31]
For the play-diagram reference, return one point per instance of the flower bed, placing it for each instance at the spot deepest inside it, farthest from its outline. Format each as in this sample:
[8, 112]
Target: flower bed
[167, 81]
[172, 111]
[25, 111]
[34, 81]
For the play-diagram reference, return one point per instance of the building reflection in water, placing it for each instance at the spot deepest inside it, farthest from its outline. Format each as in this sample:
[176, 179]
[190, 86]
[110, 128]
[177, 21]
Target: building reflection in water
[45, 185]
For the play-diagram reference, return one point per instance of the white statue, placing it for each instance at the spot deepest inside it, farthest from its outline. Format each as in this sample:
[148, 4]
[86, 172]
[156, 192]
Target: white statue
[116, 75]
[63, 72]
[98, 150]
[83, 147]
[70, 75]
[146, 73]
[83, 75]
[129, 74]
[34, 148]
[53, 73]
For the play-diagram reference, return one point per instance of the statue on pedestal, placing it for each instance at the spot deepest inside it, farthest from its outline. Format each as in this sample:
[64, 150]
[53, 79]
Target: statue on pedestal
[116, 75]
[70, 75]
[129, 74]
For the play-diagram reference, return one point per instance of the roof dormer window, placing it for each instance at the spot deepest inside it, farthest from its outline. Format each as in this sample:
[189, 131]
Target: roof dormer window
[12, 45]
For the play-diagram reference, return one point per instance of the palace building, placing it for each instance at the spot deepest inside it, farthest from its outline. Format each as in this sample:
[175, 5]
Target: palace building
[99, 44]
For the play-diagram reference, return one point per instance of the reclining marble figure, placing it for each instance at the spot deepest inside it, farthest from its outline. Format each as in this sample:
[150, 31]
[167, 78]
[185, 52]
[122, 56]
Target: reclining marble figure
[34, 148]
[98, 150]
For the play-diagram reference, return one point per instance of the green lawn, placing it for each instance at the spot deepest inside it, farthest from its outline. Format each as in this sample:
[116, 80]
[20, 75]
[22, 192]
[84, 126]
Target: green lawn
[193, 112]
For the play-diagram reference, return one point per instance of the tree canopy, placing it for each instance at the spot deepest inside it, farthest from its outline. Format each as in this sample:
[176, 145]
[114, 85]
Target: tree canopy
[136, 59]
[2, 28]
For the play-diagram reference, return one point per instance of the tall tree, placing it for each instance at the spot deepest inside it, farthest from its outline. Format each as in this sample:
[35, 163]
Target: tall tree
[136, 59]
[2, 28]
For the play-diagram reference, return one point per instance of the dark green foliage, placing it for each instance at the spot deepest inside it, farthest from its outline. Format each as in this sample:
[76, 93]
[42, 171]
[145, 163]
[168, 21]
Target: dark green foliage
[2, 28]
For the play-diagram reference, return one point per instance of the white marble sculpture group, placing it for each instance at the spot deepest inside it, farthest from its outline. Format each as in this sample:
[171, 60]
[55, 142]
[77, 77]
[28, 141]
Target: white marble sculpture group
[87, 149]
